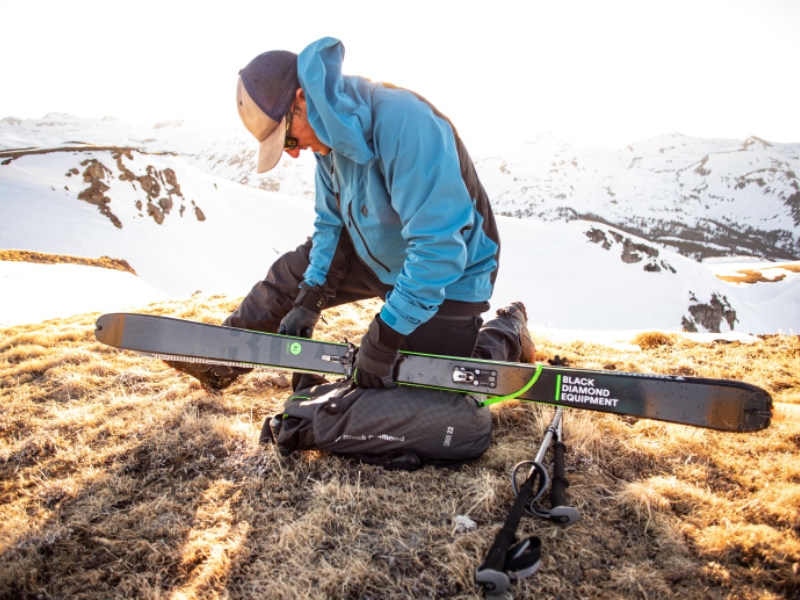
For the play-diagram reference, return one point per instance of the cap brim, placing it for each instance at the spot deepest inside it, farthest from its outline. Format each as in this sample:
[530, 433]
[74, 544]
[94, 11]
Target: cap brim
[271, 149]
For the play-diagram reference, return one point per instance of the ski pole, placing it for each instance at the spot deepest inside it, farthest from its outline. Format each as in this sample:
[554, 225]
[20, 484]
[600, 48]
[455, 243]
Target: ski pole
[503, 561]
[560, 513]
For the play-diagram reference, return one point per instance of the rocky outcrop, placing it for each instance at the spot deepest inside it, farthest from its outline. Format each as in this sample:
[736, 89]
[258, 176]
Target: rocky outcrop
[161, 187]
[598, 236]
[633, 252]
[95, 194]
[172, 181]
[630, 252]
[709, 315]
[155, 212]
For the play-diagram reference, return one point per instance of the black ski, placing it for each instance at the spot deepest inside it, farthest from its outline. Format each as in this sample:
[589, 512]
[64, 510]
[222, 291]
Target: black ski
[720, 404]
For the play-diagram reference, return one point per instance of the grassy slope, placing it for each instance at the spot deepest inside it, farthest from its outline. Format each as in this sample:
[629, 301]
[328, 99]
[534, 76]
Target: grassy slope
[52, 259]
[122, 478]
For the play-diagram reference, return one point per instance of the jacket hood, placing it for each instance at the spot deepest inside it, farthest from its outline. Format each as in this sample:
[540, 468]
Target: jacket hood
[339, 106]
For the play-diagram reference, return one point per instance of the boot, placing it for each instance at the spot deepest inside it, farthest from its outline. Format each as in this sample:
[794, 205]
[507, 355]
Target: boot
[519, 317]
[214, 378]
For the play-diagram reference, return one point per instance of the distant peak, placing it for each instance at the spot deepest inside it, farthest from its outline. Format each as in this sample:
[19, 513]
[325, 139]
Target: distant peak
[756, 140]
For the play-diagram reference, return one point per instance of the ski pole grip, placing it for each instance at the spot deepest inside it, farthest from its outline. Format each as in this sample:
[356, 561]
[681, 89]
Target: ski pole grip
[558, 491]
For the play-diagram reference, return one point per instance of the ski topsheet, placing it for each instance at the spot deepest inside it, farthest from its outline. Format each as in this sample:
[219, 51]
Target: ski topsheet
[713, 403]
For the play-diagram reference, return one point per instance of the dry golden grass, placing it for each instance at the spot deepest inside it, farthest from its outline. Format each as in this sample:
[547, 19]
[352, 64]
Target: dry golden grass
[120, 478]
[50, 259]
[761, 275]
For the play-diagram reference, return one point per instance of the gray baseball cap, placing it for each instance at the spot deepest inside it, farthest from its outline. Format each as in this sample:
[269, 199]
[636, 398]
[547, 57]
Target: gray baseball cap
[265, 92]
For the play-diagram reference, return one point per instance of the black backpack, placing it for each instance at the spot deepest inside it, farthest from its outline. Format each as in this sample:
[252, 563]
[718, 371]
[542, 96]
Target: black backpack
[399, 428]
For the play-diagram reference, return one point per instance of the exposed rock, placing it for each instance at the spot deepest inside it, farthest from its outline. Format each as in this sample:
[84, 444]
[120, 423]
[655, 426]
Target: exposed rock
[269, 185]
[701, 170]
[155, 212]
[94, 170]
[793, 202]
[150, 183]
[172, 180]
[709, 316]
[199, 214]
[95, 194]
[631, 251]
[688, 326]
[125, 174]
[598, 236]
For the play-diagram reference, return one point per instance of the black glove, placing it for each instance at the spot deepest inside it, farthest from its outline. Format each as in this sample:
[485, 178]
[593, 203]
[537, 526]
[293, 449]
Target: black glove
[302, 319]
[377, 357]
[300, 322]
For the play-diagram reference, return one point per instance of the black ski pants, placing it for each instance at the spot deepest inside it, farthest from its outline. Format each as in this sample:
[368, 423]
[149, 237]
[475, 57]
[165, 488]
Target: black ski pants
[455, 330]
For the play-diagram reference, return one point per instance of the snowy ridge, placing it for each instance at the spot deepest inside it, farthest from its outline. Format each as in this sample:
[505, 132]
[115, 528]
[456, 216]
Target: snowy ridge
[185, 230]
[184, 226]
[230, 154]
[699, 197]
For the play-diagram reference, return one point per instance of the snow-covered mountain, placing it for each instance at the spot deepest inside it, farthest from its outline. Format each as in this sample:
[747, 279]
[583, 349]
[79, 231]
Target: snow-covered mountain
[184, 229]
[695, 196]
[699, 197]
[228, 153]
[168, 206]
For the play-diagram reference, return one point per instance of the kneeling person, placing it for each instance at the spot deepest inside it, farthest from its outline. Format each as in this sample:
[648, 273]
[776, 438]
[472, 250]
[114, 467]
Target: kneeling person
[400, 214]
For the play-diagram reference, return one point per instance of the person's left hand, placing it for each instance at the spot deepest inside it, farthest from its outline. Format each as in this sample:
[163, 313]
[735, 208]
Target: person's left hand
[377, 356]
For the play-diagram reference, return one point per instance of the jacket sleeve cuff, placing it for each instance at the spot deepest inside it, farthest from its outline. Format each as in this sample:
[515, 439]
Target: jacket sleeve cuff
[310, 298]
[387, 336]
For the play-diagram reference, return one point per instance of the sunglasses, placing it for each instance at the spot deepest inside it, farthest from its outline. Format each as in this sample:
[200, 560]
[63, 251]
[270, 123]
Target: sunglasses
[290, 143]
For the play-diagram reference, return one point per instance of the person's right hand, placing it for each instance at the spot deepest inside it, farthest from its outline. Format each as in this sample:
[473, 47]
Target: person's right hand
[300, 322]
[377, 358]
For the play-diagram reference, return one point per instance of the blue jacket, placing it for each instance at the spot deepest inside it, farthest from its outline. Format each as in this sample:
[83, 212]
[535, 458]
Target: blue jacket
[401, 183]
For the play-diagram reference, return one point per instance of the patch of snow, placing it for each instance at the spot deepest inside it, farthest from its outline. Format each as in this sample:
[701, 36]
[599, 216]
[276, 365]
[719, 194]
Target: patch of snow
[33, 292]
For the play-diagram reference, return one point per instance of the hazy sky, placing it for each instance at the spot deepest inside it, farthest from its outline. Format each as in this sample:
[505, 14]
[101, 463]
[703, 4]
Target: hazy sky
[591, 72]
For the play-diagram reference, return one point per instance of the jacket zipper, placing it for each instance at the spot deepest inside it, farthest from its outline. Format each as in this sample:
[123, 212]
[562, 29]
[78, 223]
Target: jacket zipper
[335, 175]
[363, 241]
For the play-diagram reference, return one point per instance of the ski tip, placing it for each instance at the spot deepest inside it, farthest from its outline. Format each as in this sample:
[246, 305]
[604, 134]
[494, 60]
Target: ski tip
[783, 412]
[109, 329]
